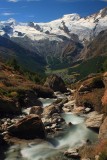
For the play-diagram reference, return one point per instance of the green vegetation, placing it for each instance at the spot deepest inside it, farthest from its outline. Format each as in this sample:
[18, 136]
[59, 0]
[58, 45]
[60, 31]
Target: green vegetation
[56, 63]
[14, 64]
[80, 70]
[33, 76]
[94, 65]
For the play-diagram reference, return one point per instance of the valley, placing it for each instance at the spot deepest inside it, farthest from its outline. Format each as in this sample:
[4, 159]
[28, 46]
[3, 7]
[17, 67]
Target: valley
[53, 88]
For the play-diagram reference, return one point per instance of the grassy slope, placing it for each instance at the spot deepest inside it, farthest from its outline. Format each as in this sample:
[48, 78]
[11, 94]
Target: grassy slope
[12, 83]
[93, 65]
[79, 71]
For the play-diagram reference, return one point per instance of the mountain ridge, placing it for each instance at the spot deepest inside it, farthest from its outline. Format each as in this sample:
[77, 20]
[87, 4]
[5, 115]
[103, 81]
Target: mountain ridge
[59, 42]
[28, 60]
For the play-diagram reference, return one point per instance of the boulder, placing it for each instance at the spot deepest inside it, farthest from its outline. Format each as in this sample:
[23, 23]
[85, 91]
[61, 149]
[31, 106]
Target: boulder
[38, 110]
[29, 98]
[55, 83]
[103, 129]
[94, 120]
[44, 92]
[50, 110]
[70, 104]
[90, 93]
[9, 107]
[91, 99]
[57, 120]
[79, 109]
[72, 153]
[30, 127]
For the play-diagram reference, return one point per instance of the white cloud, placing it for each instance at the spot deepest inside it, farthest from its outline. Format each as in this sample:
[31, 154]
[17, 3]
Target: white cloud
[7, 13]
[13, 0]
[23, 0]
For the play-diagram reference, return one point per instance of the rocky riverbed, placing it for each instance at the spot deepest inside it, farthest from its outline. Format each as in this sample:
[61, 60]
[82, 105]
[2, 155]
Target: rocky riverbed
[58, 136]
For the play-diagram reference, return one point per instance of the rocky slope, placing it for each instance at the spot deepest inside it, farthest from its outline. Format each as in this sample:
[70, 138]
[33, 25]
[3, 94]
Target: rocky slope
[27, 59]
[91, 94]
[59, 41]
[97, 47]
[16, 91]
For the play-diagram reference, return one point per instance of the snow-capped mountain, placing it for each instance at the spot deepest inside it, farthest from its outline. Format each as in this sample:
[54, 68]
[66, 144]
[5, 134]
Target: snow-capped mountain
[64, 37]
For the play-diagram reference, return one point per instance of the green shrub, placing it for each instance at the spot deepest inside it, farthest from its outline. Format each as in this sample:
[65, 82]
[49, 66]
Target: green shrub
[14, 64]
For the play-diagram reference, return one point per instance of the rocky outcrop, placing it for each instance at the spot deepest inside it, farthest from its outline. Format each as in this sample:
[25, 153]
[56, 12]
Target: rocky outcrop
[28, 98]
[94, 120]
[105, 79]
[50, 110]
[103, 129]
[93, 49]
[104, 98]
[38, 110]
[44, 92]
[90, 93]
[30, 127]
[9, 107]
[104, 102]
[56, 83]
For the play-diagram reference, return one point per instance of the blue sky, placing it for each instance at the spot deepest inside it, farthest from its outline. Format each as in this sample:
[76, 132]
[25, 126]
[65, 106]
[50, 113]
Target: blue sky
[47, 10]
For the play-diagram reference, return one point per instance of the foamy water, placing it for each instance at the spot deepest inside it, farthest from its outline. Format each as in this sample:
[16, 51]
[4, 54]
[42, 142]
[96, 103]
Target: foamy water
[76, 135]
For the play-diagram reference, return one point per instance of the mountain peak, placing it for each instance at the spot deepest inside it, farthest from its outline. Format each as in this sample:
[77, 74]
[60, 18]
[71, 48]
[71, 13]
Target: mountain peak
[72, 17]
[103, 12]
[11, 21]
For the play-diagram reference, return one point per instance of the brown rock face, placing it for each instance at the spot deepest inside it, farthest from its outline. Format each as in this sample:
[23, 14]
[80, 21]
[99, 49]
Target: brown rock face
[105, 79]
[90, 93]
[103, 129]
[38, 110]
[30, 127]
[94, 120]
[55, 83]
[104, 99]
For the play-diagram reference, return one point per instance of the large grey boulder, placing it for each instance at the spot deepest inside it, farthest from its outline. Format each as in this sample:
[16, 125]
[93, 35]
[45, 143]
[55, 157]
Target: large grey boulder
[55, 83]
[94, 120]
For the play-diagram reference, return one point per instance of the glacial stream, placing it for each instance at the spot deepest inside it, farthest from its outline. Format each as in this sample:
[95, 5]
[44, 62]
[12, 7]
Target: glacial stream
[74, 137]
